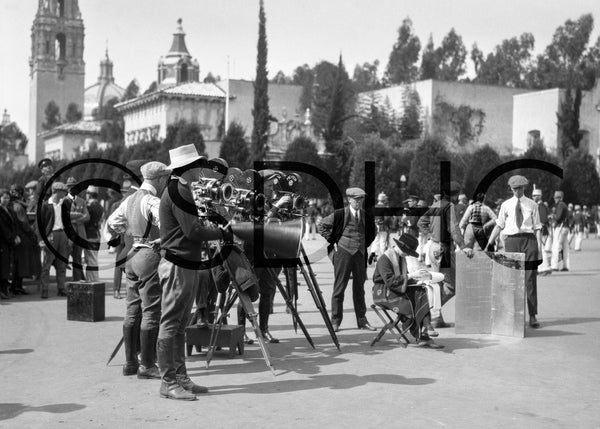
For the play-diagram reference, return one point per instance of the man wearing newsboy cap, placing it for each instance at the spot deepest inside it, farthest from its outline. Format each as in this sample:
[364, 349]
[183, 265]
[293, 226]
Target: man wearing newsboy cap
[519, 221]
[347, 250]
[138, 217]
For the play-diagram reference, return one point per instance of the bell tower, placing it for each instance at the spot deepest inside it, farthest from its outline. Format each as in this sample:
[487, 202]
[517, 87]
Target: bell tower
[56, 66]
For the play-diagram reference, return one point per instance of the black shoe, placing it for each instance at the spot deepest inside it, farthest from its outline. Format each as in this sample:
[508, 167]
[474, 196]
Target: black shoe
[3, 295]
[130, 368]
[268, 337]
[565, 269]
[44, 294]
[175, 391]
[185, 382]
[533, 322]
[61, 292]
[248, 340]
[366, 326]
[148, 373]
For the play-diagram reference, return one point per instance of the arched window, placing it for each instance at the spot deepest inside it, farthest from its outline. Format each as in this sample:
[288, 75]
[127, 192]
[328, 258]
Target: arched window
[184, 73]
[60, 46]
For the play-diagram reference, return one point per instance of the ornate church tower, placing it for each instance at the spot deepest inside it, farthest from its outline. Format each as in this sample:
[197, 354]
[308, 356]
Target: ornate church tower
[56, 66]
[178, 66]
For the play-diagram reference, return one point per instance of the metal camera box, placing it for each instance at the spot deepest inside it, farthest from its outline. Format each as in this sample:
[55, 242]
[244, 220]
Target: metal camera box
[85, 301]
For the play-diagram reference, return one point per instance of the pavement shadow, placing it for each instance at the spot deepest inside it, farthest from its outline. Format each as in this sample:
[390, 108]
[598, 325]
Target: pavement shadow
[293, 355]
[533, 333]
[334, 382]
[15, 351]
[453, 344]
[570, 321]
[12, 410]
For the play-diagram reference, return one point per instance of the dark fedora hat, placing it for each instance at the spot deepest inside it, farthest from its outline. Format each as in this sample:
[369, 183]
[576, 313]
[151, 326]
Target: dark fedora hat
[408, 244]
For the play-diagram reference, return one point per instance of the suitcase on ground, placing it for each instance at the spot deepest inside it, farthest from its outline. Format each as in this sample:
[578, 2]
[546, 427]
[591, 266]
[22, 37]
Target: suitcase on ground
[85, 301]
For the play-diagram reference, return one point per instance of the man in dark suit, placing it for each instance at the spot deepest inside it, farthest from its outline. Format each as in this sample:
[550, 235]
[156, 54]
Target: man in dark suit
[347, 250]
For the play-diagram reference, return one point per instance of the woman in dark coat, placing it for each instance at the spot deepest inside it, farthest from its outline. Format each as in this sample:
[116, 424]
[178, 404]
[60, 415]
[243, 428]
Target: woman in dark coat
[396, 289]
[27, 261]
[8, 240]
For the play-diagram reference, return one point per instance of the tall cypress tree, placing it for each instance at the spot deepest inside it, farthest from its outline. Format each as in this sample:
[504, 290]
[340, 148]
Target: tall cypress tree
[261, 95]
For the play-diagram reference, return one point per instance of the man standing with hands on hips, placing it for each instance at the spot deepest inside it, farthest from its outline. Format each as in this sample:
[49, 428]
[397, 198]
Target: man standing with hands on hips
[519, 221]
[347, 250]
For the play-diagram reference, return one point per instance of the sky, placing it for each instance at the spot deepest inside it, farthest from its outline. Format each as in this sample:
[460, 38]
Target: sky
[138, 32]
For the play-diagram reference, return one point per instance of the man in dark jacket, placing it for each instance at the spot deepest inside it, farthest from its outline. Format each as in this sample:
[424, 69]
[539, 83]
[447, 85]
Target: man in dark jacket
[92, 231]
[182, 232]
[345, 230]
[51, 227]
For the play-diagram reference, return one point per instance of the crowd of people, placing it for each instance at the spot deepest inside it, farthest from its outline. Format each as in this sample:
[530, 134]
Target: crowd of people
[161, 241]
[31, 242]
[475, 225]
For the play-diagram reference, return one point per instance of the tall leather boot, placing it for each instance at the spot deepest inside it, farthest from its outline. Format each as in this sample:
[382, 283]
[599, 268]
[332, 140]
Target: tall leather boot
[181, 372]
[263, 315]
[169, 387]
[130, 338]
[148, 368]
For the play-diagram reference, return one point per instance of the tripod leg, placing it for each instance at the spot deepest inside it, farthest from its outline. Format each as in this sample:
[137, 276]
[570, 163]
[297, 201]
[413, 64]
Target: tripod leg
[252, 316]
[295, 315]
[215, 329]
[318, 298]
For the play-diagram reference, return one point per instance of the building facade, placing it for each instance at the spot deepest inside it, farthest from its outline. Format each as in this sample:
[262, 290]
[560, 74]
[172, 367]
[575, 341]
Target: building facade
[57, 69]
[535, 117]
[496, 103]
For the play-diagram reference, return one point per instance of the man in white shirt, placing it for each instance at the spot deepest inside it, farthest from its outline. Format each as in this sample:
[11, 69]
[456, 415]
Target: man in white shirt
[519, 221]
[138, 216]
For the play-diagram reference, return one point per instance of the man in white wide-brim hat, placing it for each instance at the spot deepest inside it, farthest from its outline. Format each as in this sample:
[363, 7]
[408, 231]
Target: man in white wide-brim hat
[181, 234]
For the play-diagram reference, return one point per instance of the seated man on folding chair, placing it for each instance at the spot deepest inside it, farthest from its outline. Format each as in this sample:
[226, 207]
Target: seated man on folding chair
[398, 290]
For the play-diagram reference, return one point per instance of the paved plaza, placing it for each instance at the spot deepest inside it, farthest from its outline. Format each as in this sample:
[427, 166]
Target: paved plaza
[54, 372]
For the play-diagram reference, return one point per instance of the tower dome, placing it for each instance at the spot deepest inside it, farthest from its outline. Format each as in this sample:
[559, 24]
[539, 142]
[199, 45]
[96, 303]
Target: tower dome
[101, 92]
[178, 66]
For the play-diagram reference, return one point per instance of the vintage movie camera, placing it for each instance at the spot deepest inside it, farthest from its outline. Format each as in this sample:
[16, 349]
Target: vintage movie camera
[287, 184]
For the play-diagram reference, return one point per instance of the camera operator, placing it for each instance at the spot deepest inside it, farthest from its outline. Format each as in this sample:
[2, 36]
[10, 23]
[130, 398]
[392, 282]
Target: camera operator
[181, 233]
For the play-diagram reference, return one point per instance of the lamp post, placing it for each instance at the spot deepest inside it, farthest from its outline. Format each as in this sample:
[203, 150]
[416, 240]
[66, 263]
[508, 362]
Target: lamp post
[403, 188]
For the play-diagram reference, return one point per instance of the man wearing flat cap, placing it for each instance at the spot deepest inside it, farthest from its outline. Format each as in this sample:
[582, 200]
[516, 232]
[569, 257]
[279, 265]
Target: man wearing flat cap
[441, 222]
[47, 168]
[138, 217]
[347, 250]
[51, 227]
[519, 220]
[560, 234]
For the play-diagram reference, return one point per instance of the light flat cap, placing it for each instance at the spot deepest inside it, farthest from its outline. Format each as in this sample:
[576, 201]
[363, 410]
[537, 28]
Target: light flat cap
[93, 189]
[537, 191]
[355, 193]
[59, 186]
[154, 170]
[518, 181]
[560, 194]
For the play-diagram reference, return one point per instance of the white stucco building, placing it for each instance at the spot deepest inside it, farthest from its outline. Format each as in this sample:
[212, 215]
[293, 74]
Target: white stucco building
[496, 102]
[535, 116]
